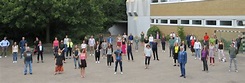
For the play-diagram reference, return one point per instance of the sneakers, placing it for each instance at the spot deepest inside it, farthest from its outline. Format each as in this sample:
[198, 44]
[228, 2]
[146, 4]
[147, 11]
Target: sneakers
[115, 72]
[121, 72]
[98, 61]
[14, 61]
[236, 70]
[229, 70]
[0, 56]
[5, 56]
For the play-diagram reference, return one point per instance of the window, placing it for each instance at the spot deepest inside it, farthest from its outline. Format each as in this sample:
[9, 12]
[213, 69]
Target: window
[240, 23]
[211, 22]
[185, 22]
[156, 20]
[164, 0]
[226, 23]
[173, 21]
[164, 21]
[154, 1]
[197, 22]
[152, 21]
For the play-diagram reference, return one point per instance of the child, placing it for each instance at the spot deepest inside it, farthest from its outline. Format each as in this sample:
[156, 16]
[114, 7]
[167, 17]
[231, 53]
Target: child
[59, 62]
[83, 63]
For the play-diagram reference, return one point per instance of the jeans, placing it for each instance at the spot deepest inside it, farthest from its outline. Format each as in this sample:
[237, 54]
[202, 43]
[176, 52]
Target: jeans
[163, 45]
[15, 55]
[40, 54]
[182, 68]
[136, 45]
[116, 64]
[147, 60]
[205, 64]
[130, 53]
[235, 63]
[4, 50]
[76, 62]
[197, 53]
[155, 54]
[171, 48]
[22, 50]
[151, 44]
[28, 63]
[221, 52]
[69, 50]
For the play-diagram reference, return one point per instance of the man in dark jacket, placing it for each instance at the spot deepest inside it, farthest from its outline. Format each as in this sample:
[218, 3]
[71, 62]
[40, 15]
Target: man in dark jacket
[233, 53]
[182, 59]
[40, 51]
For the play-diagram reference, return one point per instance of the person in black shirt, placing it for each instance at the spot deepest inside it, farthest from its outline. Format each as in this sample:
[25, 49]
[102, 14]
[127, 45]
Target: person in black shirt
[129, 50]
[36, 42]
[59, 59]
[76, 56]
[62, 48]
[154, 50]
[28, 60]
[238, 43]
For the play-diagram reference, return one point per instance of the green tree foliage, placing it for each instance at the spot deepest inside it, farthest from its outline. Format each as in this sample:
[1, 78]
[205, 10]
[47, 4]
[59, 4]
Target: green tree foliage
[153, 30]
[58, 17]
[181, 32]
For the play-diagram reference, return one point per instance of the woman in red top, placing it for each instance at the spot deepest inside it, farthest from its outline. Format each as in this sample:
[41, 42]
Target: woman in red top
[192, 45]
[83, 63]
[55, 45]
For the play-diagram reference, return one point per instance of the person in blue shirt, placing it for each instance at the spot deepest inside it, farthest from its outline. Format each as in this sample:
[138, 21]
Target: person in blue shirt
[131, 38]
[118, 59]
[4, 44]
[110, 40]
[22, 47]
[182, 59]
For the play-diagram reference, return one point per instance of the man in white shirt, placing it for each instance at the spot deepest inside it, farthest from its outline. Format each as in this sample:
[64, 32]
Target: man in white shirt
[91, 43]
[66, 39]
[151, 40]
[197, 47]
[4, 44]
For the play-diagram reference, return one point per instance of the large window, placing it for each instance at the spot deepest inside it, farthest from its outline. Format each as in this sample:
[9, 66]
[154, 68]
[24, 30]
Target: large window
[226, 23]
[164, 21]
[185, 22]
[164, 0]
[211, 22]
[173, 21]
[197, 22]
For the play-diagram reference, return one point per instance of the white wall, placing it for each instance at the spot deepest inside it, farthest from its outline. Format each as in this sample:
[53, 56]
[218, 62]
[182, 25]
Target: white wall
[119, 28]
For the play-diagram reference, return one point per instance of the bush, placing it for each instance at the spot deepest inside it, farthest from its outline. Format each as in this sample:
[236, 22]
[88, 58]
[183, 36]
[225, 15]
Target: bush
[153, 30]
[181, 32]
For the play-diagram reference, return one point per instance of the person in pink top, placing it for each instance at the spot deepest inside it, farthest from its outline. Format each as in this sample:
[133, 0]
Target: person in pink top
[55, 45]
[83, 63]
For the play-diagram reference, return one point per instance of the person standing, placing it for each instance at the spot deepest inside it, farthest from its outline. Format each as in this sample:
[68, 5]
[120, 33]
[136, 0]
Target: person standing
[109, 51]
[15, 50]
[154, 50]
[125, 36]
[83, 63]
[131, 38]
[69, 49]
[233, 53]
[101, 38]
[197, 47]
[62, 48]
[40, 52]
[176, 50]
[84, 45]
[188, 41]
[211, 53]
[59, 60]
[110, 40]
[171, 46]
[204, 59]
[221, 51]
[177, 39]
[216, 43]
[136, 40]
[151, 40]
[66, 40]
[183, 45]
[146, 41]
[118, 59]
[147, 54]
[36, 42]
[157, 37]
[238, 43]
[28, 60]
[91, 43]
[76, 56]
[142, 35]
[129, 51]
[4, 45]
[22, 47]
[206, 39]
[119, 40]
[182, 59]
[56, 45]
[124, 47]
[192, 47]
[104, 45]
[97, 52]
[163, 41]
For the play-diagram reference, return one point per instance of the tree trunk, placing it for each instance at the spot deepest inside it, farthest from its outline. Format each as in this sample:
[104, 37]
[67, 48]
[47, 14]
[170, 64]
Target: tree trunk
[47, 34]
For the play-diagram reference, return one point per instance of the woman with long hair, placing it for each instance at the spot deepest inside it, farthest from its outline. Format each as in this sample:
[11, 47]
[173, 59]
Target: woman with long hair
[83, 63]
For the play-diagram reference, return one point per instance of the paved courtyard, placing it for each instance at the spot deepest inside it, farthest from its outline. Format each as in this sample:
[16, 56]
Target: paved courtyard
[161, 71]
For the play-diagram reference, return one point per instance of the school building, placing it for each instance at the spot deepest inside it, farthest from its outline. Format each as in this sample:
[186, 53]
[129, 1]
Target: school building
[196, 16]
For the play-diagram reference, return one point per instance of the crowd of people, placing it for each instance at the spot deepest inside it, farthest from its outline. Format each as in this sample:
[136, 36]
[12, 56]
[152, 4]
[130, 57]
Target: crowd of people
[103, 47]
